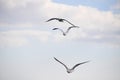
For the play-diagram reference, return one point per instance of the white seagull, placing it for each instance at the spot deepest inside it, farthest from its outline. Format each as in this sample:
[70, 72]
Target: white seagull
[60, 20]
[72, 69]
[64, 33]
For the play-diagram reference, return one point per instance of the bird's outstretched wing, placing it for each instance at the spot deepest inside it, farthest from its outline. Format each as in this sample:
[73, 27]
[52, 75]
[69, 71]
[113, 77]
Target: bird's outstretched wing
[60, 30]
[54, 19]
[69, 29]
[69, 22]
[61, 63]
[79, 64]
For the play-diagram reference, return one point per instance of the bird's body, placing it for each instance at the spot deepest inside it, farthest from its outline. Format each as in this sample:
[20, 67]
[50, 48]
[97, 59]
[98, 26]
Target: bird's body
[72, 69]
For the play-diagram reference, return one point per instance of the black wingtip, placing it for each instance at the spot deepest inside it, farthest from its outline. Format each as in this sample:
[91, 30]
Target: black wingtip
[87, 61]
[54, 57]
[47, 21]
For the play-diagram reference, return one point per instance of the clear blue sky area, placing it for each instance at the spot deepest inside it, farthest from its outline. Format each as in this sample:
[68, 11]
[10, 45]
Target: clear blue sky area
[100, 4]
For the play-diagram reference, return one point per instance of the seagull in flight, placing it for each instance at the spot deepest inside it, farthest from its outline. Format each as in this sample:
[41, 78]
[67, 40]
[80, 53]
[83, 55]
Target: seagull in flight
[72, 69]
[64, 33]
[60, 20]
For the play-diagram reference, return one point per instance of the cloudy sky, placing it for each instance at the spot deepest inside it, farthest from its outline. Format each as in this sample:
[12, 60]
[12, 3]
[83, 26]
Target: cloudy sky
[28, 43]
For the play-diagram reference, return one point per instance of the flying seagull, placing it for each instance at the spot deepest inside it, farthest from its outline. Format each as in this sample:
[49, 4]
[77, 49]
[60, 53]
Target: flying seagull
[72, 69]
[64, 33]
[60, 20]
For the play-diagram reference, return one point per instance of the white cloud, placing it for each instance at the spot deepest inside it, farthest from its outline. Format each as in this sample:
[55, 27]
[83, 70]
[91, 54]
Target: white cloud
[18, 38]
[95, 25]
[10, 41]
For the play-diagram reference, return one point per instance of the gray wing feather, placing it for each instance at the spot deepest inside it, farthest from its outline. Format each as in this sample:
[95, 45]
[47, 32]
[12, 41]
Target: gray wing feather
[79, 64]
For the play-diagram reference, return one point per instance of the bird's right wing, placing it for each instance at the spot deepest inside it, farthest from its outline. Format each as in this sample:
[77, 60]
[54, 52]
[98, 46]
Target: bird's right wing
[61, 63]
[69, 22]
[69, 29]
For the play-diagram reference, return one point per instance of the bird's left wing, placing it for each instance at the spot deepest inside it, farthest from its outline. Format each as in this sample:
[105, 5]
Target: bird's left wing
[52, 19]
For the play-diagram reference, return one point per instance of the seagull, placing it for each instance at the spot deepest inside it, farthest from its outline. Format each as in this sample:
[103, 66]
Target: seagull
[72, 69]
[60, 20]
[64, 33]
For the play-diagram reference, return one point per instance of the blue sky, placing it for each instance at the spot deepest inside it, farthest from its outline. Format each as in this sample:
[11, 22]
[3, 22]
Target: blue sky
[28, 44]
[100, 4]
